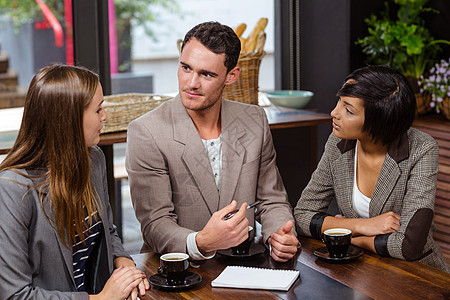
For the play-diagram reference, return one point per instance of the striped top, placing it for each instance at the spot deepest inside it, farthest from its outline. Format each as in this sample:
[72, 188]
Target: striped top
[81, 251]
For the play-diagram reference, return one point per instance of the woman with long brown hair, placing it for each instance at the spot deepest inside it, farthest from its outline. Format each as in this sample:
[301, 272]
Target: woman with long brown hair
[58, 239]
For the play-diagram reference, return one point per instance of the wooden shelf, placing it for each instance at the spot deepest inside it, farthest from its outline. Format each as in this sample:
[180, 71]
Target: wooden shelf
[439, 128]
[9, 78]
[4, 62]
[12, 97]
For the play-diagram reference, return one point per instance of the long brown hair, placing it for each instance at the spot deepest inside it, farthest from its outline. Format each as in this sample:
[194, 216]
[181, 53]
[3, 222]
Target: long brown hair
[51, 140]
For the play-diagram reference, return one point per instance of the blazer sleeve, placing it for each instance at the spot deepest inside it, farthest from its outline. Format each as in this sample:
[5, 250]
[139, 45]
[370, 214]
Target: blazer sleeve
[409, 242]
[17, 216]
[316, 197]
[275, 209]
[151, 192]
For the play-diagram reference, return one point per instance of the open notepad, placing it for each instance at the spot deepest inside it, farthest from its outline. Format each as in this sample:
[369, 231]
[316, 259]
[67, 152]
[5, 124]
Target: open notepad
[256, 278]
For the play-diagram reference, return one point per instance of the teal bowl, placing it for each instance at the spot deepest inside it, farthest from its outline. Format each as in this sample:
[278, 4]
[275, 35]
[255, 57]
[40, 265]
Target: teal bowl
[290, 98]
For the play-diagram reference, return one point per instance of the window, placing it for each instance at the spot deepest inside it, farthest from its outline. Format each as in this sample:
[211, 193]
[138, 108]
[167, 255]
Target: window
[157, 57]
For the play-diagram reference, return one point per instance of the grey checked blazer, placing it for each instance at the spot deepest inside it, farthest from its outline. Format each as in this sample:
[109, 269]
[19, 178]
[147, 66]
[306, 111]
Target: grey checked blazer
[34, 263]
[172, 185]
[406, 186]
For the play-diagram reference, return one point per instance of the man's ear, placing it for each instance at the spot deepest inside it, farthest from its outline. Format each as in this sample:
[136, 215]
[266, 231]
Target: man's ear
[233, 75]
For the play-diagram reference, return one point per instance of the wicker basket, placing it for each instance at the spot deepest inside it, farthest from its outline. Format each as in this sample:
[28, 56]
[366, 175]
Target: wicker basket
[423, 103]
[245, 89]
[445, 108]
[124, 108]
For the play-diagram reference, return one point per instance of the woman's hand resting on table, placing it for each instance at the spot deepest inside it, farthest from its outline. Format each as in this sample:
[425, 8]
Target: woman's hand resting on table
[142, 287]
[386, 223]
[365, 230]
[120, 285]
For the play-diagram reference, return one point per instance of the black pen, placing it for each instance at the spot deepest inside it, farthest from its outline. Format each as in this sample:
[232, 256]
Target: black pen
[231, 214]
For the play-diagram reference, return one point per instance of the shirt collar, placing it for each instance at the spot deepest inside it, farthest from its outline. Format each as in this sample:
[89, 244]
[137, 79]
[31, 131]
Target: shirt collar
[398, 149]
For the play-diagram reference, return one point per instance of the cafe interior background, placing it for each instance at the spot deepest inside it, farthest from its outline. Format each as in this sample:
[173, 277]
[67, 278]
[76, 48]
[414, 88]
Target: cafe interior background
[310, 45]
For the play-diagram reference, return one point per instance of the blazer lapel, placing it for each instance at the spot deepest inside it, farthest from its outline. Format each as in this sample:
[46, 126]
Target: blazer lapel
[105, 228]
[233, 153]
[389, 174]
[194, 155]
[344, 170]
[66, 252]
[68, 256]
[345, 173]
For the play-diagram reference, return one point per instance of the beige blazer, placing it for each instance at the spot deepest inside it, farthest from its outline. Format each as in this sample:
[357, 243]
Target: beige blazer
[172, 185]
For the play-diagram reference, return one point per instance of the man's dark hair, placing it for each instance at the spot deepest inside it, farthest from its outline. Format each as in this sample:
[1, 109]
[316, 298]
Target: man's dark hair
[389, 102]
[219, 39]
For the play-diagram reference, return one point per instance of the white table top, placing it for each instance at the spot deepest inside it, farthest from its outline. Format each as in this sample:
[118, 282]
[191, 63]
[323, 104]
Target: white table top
[10, 119]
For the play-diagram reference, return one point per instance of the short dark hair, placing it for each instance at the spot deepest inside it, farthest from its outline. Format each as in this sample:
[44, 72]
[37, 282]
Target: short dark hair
[219, 39]
[389, 101]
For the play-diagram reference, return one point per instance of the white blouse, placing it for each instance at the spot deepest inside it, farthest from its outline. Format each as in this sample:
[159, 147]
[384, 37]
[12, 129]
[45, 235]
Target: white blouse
[360, 201]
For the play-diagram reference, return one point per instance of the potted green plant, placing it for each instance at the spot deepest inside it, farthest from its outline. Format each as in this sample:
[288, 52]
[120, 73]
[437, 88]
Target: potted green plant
[399, 38]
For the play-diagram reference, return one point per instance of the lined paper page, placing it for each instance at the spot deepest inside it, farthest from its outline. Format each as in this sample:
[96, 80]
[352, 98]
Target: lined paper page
[256, 278]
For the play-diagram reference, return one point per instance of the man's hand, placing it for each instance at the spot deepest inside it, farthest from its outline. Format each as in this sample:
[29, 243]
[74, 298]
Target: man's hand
[222, 234]
[283, 242]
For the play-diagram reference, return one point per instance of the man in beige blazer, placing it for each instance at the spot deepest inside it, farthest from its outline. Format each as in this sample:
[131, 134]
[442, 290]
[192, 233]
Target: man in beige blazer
[198, 157]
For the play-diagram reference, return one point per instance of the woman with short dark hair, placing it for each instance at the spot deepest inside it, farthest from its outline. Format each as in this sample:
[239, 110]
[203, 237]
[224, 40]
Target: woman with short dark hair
[56, 230]
[381, 171]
